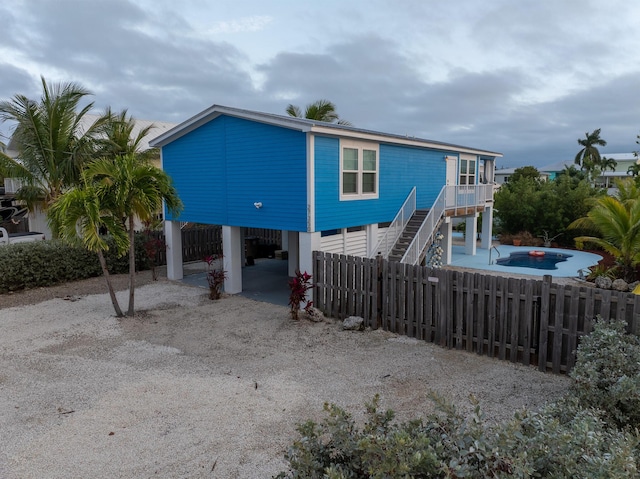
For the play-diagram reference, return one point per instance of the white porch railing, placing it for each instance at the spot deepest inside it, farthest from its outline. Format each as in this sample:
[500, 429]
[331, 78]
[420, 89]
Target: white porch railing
[386, 243]
[464, 199]
[460, 200]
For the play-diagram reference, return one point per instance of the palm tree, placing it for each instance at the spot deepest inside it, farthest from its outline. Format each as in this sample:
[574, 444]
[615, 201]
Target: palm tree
[634, 170]
[80, 214]
[51, 142]
[320, 110]
[608, 164]
[117, 138]
[132, 188]
[617, 224]
[627, 190]
[589, 157]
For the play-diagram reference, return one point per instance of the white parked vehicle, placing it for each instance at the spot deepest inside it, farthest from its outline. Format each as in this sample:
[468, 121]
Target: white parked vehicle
[11, 238]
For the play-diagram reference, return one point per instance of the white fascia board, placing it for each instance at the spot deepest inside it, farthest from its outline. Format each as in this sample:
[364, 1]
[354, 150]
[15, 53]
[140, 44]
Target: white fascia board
[381, 138]
[215, 111]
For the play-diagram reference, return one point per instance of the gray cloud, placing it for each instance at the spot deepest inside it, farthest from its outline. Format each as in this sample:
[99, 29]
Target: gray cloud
[522, 81]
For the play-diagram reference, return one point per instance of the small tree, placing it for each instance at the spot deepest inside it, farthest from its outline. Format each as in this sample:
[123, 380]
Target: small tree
[131, 188]
[80, 215]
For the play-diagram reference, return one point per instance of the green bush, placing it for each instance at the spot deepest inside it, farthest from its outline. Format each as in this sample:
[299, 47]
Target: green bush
[607, 373]
[563, 440]
[45, 263]
[380, 450]
[591, 432]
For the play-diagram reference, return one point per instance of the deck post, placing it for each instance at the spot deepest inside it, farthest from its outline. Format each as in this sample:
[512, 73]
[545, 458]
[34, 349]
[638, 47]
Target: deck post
[293, 252]
[308, 243]
[447, 241]
[232, 251]
[487, 228]
[173, 240]
[471, 233]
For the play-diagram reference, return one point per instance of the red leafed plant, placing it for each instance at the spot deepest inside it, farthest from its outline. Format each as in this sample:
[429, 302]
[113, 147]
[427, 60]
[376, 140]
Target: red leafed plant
[215, 276]
[299, 286]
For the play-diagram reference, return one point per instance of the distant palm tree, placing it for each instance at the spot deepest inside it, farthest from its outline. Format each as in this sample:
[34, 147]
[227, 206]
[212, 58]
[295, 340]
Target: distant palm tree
[608, 164]
[589, 157]
[321, 110]
[634, 170]
[117, 137]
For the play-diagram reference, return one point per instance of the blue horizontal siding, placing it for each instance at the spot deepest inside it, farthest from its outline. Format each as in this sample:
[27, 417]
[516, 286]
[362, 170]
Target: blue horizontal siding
[401, 168]
[225, 166]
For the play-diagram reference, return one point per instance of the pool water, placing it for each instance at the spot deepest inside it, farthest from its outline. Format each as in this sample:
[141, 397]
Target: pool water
[522, 259]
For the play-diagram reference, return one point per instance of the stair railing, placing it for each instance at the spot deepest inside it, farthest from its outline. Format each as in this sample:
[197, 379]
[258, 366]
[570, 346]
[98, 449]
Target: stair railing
[395, 229]
[426, 230]
[460, 200]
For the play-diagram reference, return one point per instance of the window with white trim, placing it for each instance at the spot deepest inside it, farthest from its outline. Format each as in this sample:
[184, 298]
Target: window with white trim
[359, 165]
[467, 172]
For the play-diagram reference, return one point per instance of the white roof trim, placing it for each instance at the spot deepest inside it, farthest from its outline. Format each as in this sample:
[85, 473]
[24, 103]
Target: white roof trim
[305, 125]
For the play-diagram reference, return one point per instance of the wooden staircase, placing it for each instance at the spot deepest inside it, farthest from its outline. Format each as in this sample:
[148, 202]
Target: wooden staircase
[408, 234]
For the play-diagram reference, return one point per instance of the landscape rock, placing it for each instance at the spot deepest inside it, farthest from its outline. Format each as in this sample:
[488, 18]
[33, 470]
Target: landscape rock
[353, 323]
[633, 285]
[603, 282]
[620, 285]
[314, 314]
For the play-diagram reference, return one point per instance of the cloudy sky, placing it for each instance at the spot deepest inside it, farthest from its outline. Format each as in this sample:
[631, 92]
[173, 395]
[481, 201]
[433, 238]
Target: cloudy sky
[523, 77]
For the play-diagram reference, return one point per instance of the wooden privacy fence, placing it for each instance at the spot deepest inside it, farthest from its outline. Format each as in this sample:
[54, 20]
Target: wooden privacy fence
[521, 320]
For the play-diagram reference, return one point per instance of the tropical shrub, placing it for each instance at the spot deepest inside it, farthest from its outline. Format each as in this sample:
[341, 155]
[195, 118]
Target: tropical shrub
[607, 373]
[613, 224]
[299, 285]
[215, 276]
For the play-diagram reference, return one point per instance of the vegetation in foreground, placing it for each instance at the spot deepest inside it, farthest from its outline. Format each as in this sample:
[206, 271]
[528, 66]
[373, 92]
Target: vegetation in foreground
[591, 432]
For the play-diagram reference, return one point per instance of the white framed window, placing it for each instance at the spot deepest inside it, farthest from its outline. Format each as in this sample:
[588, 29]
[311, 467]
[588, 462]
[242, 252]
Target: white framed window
[467, 172]
[359, 170]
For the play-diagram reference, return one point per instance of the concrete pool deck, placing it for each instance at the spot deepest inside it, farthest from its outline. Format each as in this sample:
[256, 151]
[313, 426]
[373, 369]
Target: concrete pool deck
[579, 260]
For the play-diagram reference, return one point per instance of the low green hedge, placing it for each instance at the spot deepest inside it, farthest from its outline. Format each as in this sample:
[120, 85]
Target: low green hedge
[46, 263]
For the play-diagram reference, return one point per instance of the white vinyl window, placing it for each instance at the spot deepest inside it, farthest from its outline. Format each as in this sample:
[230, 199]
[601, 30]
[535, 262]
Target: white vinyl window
[359, 167]
[467, 172]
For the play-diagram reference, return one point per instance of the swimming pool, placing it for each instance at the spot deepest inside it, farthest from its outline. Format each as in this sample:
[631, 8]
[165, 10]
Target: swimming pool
[536, 259]
[578, 260]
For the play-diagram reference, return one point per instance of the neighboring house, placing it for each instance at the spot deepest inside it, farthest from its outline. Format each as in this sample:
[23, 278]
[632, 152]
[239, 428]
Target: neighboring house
[502, 175]
[330, 187]
[607, 178]
[38, 219]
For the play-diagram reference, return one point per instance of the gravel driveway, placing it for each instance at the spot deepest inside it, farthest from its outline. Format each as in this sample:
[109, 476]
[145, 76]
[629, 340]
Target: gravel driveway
[192, 388]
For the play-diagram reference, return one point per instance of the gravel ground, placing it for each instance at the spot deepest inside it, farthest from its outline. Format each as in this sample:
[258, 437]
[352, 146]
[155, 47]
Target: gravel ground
[193, 388]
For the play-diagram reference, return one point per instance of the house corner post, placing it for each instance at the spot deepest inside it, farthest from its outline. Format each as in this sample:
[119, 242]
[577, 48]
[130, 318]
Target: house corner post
[232, 251]
[173, 240]
[307, 244]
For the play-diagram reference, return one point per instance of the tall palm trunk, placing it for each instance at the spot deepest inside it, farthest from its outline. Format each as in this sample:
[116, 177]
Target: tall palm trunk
[112, 293]
[132, 266]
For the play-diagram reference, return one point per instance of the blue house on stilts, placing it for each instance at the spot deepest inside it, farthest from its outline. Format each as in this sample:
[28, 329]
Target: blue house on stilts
[328, 187]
